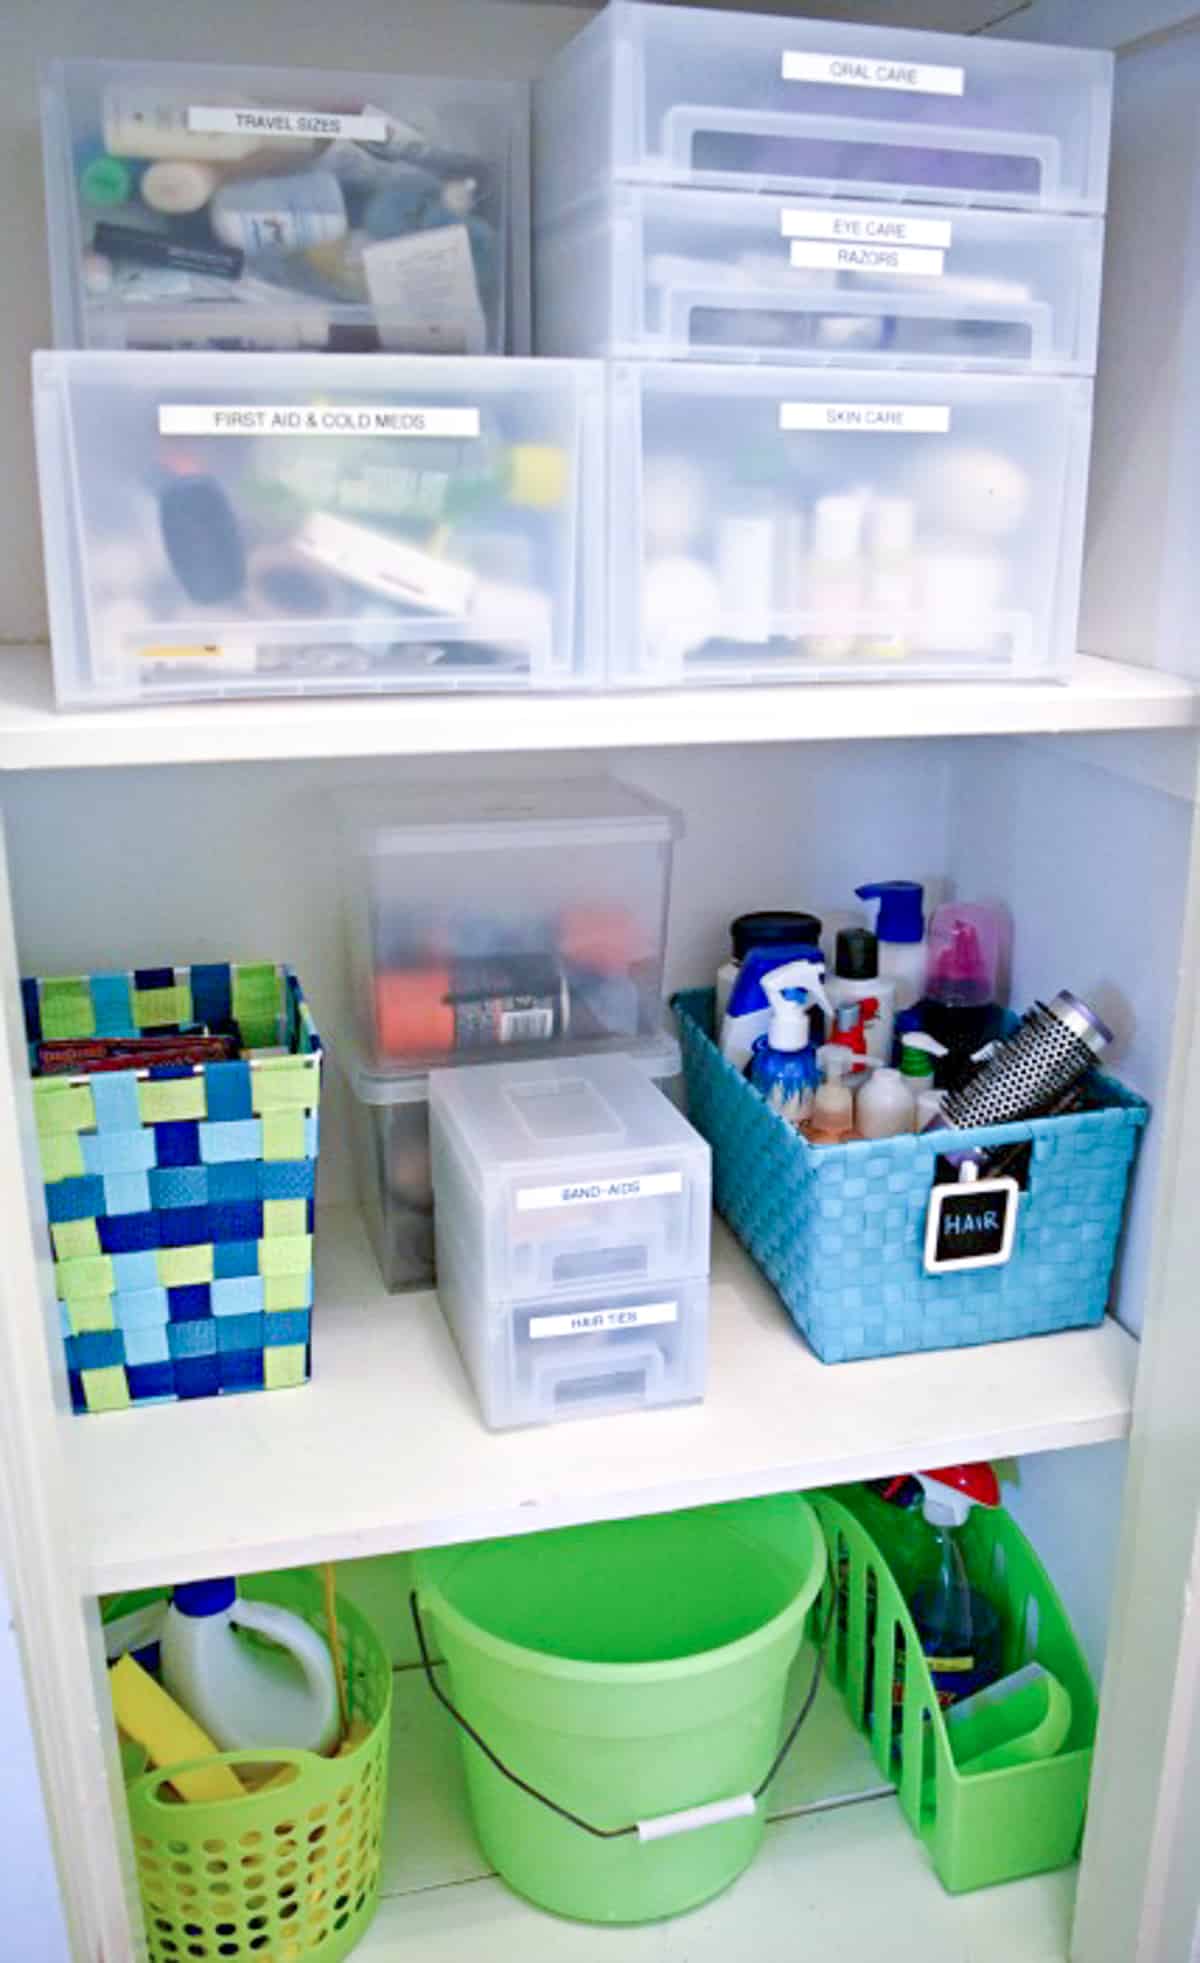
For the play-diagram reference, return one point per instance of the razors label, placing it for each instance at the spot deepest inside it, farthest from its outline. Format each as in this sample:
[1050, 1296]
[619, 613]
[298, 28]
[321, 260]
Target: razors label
[875, 418]
[865, 227]
[252, 419]
[864, 72]
[599, 1192]
[286, 123]
[867, 258]
[591, 1321]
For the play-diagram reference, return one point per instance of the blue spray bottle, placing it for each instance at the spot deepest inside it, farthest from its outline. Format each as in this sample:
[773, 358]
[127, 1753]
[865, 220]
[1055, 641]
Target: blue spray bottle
[783, 1063]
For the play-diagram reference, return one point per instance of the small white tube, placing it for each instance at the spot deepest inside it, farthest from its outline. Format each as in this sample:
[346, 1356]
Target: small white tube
[692, 1817]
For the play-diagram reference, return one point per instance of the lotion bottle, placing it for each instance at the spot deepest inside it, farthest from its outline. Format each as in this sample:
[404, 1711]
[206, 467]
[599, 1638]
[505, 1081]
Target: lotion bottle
[885, 1107]
[901, 932]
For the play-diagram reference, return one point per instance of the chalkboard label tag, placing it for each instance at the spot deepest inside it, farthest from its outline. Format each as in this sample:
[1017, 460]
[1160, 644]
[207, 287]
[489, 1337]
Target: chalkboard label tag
[971, 1224]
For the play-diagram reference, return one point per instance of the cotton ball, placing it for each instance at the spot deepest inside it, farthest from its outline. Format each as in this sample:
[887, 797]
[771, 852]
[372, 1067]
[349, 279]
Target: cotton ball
[674, 497]
[974, 490]
[681, 604]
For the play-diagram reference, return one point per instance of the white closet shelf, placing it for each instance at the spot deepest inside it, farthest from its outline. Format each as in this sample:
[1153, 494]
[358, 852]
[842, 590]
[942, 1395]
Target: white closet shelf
[852, 1875]
[1100, 695]
[384, 1449]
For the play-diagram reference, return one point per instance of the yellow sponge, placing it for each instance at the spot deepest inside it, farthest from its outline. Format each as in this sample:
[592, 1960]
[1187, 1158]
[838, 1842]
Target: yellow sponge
[146, 1713]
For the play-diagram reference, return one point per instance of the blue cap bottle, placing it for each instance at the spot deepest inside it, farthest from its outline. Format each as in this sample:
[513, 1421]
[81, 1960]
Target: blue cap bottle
[900, 930]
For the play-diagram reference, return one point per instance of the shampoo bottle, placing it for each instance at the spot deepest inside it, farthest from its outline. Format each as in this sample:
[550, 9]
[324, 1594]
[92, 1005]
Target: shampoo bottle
[856, 978]
[279, 1693]
[783, 1065]
[901, 932]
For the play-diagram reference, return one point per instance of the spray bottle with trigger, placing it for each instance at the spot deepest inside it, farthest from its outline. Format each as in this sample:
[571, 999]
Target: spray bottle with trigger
[783, 1063]
[959, 1628]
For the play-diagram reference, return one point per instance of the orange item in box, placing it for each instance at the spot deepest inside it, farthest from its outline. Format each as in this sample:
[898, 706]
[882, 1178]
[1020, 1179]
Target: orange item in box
[412, 1013]
[599, 939]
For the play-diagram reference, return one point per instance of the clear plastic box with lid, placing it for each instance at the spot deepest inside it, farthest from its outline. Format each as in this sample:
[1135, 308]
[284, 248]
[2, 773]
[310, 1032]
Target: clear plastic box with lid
[212, 206]
[663, 273]
[507, 918]
[685, 95]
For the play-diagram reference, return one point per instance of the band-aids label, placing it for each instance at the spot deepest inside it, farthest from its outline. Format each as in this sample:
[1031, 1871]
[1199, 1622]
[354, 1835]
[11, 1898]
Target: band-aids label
[599, 1192]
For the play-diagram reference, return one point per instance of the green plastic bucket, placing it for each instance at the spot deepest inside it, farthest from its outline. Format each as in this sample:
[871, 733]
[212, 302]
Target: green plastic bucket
[627, 1671]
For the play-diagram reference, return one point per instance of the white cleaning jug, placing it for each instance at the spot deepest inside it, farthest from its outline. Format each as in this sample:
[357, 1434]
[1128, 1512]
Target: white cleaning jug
[246, 1694]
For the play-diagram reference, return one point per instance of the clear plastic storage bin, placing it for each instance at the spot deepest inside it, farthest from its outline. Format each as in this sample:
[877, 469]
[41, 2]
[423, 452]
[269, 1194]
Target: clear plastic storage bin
[775, 525]
[390, 1133]
[271, 208]
[220, 525]
[728, 275]
[566, 1176]
[765, 102]
[506, 918]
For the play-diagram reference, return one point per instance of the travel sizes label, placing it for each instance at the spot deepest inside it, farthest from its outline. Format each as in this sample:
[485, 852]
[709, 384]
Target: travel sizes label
[875, 418]
[267, 123]
[865, 227]
[971, 1225]
[867, 72]
[867, 258]
[590, 1322]
[253, 419]
[599, 1192]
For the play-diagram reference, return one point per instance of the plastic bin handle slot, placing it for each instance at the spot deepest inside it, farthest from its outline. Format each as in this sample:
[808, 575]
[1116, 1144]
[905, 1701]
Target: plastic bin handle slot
[693, 1817]
[688, 1818]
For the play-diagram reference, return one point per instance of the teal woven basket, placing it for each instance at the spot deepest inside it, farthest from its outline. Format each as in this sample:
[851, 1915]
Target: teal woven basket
[839, 1230]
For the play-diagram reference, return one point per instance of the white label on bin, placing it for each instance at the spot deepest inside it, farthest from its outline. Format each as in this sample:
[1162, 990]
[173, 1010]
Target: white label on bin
[868, 258]
[357, 419]
[286, 124]
[597, 1192]
[877, 418]
[588, 1321]
[867, 72]
[865, 227]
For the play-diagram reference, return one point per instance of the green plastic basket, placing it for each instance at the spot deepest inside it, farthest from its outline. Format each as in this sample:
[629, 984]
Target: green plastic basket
[286, 1875]
[979, 1827]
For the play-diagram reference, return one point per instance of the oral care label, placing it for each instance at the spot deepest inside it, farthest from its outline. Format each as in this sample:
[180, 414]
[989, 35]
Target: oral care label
[866, 72]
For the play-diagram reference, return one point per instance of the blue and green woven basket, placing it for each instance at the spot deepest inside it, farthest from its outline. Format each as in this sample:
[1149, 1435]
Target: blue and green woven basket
[180, 1198]
[840, 1230]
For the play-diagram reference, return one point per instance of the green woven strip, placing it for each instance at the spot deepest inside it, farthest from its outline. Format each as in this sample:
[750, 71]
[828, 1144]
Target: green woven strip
[73, 1238]
[106, 1390]
[285, 1367]
[258, 1003]
[285, 1257]
[181, 1267]
[66, 1008]
[283, 1135]
[61, 1155]
[285, 1084]
[60, 1106]
[169, 1098]
[89, 1312]
[155, 1007]
[90, 1274]
[284, 1219]
[286, 1291]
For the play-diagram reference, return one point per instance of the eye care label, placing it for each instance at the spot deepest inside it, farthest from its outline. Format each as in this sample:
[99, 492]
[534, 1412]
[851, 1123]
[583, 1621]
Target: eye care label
[864, 72]
[867, 258]
[592, 1321]
[286, 123]
[865, 227]
[876, 418]
[599, 1192]
[251, 419]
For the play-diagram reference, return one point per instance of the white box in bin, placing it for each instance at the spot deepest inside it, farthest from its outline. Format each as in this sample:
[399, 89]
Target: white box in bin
[287, 524]
[505, 918]
[655, 272]
[211, 206]
[567, 1178]
[538, 1362]
[775, 524]
[683, 95]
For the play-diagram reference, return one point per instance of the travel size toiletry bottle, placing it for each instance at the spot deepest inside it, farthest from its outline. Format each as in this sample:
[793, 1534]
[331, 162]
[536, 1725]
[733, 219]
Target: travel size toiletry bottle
[856, 978]
[783, 1066]
[831, 1120]
[901, 931]
[885, 1107]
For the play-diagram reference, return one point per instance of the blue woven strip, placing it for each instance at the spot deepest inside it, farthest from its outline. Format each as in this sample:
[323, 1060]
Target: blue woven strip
[112, 1000]
[212, 992]
[115, 1099]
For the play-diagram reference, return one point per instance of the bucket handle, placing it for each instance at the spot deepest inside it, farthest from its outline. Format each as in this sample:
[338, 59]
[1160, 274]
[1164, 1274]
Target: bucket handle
[741, 1806]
